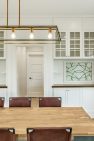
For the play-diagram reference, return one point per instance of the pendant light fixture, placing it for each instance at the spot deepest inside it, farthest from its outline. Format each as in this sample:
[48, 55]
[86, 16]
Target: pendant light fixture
[52, 37]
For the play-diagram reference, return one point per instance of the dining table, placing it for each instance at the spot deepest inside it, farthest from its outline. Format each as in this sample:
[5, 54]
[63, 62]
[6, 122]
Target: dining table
[22, 118]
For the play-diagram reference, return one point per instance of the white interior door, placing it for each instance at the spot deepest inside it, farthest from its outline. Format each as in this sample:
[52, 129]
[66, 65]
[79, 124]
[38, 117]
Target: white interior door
[35, 75]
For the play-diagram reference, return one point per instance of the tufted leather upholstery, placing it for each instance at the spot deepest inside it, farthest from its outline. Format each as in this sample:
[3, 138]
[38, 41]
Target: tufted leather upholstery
[50, 102]
[49, 134]
[7, 134]
[19, 102]
[2, 101]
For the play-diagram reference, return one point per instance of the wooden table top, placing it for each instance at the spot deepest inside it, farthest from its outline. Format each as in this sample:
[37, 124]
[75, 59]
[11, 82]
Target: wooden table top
[22, 118]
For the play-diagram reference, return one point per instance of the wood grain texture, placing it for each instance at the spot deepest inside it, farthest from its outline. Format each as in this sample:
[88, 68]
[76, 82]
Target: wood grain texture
[22, 118]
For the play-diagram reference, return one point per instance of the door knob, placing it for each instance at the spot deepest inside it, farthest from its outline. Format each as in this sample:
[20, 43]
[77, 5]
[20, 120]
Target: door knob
[30, 77]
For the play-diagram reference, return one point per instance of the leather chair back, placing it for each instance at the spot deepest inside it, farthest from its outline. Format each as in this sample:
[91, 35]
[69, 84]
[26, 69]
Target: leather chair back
[2, 101]
[49, 134]
[20, 102]
[7, 134]
[50, 102]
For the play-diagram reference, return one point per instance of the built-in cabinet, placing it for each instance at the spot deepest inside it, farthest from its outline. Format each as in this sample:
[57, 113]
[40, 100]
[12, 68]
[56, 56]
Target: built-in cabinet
[2, 71]
[2, 49]
[88, 95]
[88, 100]
[71, 97]
[77, 97]
[75, 44]
[2, 60]
[69, 45]
[74, 72]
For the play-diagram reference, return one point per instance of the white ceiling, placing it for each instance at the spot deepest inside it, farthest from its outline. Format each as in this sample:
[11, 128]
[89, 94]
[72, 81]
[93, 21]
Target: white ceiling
[49, 7]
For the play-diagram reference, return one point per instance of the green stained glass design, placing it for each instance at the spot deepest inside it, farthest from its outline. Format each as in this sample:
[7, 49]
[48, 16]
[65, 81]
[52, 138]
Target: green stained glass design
[78, 71]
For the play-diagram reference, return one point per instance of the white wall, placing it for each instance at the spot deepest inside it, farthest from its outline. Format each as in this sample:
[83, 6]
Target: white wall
[21, 71]
[11, 71]
[48, 70]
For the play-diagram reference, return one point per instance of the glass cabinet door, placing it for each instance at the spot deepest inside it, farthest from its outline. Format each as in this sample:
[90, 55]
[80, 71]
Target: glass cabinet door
[60, 50]
[1, 44]
[74, 44]
[89, 44]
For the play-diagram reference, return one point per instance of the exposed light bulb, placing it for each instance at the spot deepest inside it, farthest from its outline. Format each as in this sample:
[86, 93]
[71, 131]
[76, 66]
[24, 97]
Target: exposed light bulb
[13, 35]
[31, 36]
[50, 34]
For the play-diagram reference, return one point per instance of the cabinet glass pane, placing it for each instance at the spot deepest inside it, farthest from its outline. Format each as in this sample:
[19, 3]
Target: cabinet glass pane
[77, 53]
[74, 53]
[92, 42]
[86, 35]
[92, 46]
[57, 53]
[63, 46]
[57, 46]
[1, 53]
[86, 46]
[63, 35]
[63, 42]
[72, 35]
[72, 46]
[1, 46]
[72, 42]
[91, 35]
[63, 53]
[1, 34]
[86, 42]
[86, 53]
[91, 53]
[77, 46]
[77, 35]
[71, 53]
[77, 42]
[89, 44]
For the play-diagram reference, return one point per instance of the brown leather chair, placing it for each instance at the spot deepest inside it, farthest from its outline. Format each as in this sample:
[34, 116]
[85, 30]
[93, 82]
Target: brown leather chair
[49, 134]
[7, 134]
[50, 102]
[2, 101]
[20, 102]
